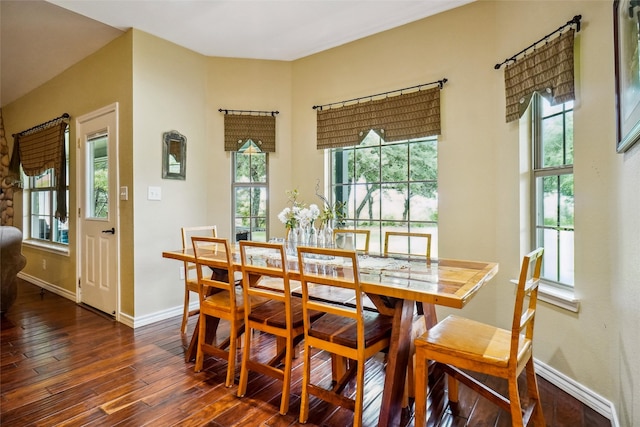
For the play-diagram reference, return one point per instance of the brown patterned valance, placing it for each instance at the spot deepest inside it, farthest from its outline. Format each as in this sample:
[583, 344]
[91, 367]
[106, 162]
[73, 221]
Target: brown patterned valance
[261, 129]
[40, 149]
[405, 116]
[548, 71]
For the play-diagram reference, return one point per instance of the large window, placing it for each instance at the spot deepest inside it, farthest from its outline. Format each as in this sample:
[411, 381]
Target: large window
[250, 194]
[553, 189]
[41, 207]
[387, 186]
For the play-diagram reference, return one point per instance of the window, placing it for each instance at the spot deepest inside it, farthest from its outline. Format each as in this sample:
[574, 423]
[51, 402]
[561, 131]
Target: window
[41, 206]
[387, 186]
[97, 176]
[250, 193]
[553, 198]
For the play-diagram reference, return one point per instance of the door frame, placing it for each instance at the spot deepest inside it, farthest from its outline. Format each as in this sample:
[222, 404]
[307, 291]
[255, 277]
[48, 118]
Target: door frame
[114, 168]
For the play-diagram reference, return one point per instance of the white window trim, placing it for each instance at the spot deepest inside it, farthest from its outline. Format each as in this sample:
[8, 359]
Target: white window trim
[563, 298]
[55, 248]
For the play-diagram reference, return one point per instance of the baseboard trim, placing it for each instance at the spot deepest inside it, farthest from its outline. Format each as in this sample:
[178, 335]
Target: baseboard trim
[125, 319]
[48, 286]
[588, 397]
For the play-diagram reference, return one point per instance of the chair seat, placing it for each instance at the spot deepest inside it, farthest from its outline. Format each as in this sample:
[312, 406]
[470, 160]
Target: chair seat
[220, 300]
[343, 331]
[273, 313]
[473, 341]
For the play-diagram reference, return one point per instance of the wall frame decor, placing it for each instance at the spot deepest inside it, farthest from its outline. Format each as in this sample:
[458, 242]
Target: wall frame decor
[626, 22]
[174, 155]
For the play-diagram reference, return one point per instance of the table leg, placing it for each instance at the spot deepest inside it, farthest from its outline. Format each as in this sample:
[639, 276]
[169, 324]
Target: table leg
[396, 370]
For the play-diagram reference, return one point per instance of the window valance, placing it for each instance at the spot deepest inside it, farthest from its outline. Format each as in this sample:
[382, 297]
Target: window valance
[41, 148]
[548, 70]
[239, 128]
[405, 116]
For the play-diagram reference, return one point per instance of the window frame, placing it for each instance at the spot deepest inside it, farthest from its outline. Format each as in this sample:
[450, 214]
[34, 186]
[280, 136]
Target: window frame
[541, 171]
[351, 221]
[235, 185]
[50, 191]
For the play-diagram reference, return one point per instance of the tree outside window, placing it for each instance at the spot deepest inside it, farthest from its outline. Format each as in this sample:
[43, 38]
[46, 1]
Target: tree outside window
[250, 194]
[387, 186]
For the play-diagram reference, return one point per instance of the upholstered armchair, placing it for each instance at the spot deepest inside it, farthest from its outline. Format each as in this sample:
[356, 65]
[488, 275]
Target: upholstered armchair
[11, 262]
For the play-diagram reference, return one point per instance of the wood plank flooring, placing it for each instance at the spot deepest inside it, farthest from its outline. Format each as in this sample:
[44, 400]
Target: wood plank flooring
[64, 365]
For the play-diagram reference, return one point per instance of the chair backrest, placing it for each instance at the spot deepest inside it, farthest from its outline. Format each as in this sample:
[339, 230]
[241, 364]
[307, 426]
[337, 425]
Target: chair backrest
[524, 317]
[214, 253]
[406, 243]
[268, 262]
[336, 268]
[352, 239]
[187, 234]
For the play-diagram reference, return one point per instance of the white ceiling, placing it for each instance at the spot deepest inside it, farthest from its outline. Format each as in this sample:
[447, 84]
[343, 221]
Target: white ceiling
[40, 39]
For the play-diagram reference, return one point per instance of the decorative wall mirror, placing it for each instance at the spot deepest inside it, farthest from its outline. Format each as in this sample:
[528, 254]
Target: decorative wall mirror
[174, 155]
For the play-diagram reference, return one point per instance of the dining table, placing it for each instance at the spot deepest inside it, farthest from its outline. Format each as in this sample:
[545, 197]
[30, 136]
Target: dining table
[394, 284]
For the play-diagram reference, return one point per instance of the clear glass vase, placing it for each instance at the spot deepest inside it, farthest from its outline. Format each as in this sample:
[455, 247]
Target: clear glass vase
[312, 237]
[327, 234]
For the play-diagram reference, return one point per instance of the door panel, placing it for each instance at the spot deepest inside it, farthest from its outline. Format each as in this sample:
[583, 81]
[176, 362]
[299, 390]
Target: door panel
[98, 202]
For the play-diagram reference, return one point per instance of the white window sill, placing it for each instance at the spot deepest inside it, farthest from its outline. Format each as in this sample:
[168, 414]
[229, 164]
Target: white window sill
[559, 297]
[49, 247]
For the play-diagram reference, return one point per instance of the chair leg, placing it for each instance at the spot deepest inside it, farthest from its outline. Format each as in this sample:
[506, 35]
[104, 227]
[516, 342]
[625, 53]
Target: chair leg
[534, 393]
[185, 314]
[244, 370]
[452, 389]
[306, 378]
[514, 401]
[359, 401]
[417, 329]
[286, 380]
[421, 384]
[201, 341]
[231, 363]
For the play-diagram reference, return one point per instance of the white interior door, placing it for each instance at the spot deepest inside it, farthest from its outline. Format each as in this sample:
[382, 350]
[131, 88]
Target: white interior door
[98, 245]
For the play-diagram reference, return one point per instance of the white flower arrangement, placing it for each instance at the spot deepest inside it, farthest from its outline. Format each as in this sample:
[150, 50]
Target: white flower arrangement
[298, 214]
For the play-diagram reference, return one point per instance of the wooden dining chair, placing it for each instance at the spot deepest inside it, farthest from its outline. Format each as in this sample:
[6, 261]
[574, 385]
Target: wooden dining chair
[220, 299]
[360, 239]
[463, 344]
[190, 279]
[280, 315]
[407, 243]
[343, 331]
[410, 244]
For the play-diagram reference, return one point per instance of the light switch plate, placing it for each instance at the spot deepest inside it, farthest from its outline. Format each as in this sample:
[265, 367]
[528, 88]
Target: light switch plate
[154, 193]
[124, 193]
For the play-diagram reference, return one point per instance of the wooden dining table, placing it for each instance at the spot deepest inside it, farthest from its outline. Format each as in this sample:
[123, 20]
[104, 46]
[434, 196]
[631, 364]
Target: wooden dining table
[395, 284]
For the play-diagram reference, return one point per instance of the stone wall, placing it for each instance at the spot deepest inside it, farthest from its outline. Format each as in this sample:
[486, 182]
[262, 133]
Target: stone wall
[6, 185]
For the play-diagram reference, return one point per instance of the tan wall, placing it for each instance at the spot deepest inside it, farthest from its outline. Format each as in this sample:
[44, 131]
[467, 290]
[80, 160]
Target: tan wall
[169, 93]
[99, 80]
[249, 85]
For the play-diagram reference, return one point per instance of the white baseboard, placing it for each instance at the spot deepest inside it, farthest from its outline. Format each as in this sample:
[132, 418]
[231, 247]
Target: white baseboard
[578, 391]
[148, 319]
[48, 286]
[125, 319]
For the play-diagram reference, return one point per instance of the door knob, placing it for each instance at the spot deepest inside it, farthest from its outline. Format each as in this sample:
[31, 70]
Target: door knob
[112, 231]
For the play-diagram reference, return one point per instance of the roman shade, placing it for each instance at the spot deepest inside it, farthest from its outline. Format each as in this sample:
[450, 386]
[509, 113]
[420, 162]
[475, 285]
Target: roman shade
[548, 70]
[239, 128]
[405, 116]
[42, 148]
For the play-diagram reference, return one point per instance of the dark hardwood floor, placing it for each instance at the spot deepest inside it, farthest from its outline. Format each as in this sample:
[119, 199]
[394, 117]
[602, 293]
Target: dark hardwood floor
[64, 365]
